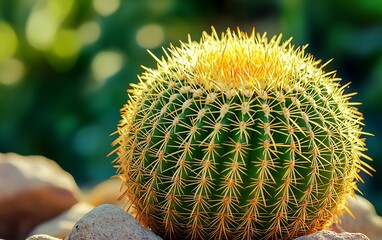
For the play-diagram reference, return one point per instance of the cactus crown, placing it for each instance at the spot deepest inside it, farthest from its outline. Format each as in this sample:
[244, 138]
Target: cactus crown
[241, 137]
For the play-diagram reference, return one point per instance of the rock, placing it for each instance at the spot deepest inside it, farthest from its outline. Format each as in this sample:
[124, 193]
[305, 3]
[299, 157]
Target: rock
[330, 235]
[33, 189]
[61, 225]
[366, 219]
[42, 237]
[109, 222]
[106, 192]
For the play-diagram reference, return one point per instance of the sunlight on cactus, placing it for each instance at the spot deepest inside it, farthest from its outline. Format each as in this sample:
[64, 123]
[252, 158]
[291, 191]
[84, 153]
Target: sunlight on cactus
[239, 137]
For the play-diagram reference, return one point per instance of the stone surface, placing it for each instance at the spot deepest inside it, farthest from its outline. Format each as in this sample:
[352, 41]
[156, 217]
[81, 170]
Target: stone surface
[61, 225]
[109, 222]
[42, 237]
[33, 189]
[330, 235]
[366, 219]
[107, 192]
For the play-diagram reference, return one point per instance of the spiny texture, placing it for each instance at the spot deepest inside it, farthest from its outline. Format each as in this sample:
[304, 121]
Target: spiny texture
[239, 137]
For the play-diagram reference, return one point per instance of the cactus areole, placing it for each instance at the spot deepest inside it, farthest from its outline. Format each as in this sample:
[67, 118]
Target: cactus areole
[239, 136]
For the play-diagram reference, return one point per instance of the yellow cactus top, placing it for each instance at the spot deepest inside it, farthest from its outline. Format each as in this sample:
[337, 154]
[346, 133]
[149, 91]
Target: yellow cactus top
[239, 62]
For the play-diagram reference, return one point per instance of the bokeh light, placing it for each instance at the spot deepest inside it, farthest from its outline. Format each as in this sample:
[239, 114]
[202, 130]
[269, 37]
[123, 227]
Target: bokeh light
[11, 71]
[89, 32]
[66, 44]
[44, 21]
[8, 41]
[150, 36]
[106, 8]
[105, 64]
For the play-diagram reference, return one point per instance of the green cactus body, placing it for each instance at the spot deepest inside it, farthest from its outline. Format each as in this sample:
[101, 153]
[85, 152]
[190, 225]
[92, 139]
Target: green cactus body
[239, 137]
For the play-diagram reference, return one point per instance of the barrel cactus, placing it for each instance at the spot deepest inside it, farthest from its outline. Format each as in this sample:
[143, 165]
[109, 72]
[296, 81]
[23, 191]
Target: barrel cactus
[239, 137]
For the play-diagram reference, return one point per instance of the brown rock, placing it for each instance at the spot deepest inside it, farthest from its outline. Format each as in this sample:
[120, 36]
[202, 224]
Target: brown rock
[366, 219]
[106, 192]
[109, 222]
[61, 225]
[330, 235]
[33, 189]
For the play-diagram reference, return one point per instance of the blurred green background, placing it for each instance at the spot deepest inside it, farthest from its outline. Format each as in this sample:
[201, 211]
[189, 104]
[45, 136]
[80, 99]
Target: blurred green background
[65, 65]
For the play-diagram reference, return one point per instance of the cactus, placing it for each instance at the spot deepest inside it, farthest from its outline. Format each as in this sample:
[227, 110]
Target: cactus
[239, 137]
